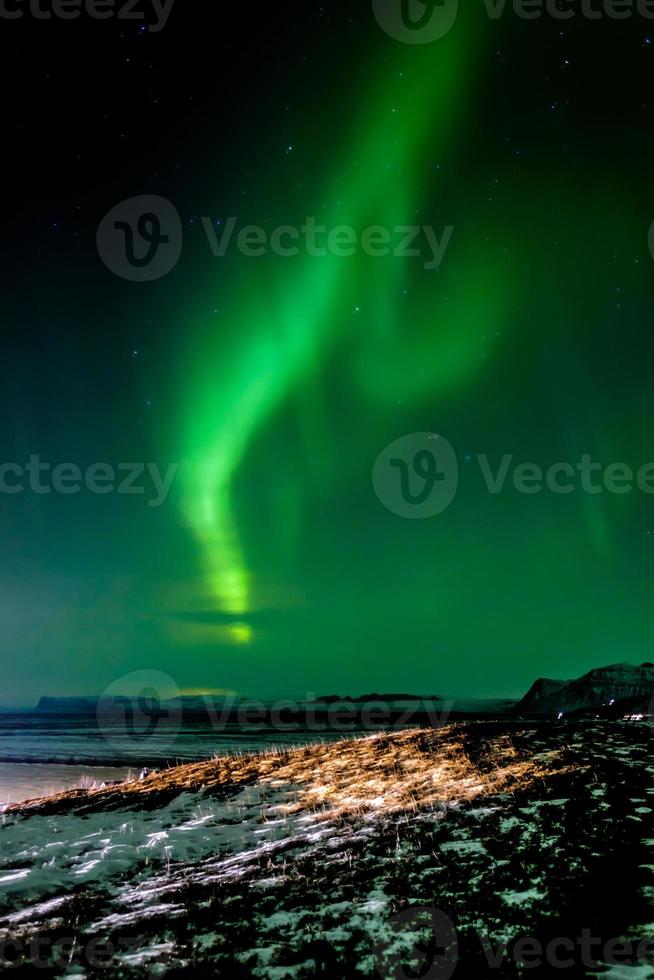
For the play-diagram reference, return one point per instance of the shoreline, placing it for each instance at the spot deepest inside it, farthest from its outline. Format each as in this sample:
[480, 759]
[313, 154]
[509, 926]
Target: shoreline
[39, 780]
[315, 859]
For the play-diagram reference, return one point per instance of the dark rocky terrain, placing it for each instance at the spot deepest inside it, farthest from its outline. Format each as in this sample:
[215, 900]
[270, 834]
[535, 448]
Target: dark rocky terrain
[425, 853]
[620, 687]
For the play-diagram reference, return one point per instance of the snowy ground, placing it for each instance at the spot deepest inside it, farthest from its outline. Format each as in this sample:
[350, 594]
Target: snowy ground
[311, 869]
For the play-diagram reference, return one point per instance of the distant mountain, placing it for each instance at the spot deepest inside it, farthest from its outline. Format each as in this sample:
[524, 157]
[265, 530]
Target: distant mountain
[386, 698]
[68, 706]
[609, 690]
[367, 711]
[91, 705]
[616, 686]
[190, 703]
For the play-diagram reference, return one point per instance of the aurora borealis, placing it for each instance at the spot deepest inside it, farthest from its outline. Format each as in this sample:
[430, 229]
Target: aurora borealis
[276, 381]
[301, 310]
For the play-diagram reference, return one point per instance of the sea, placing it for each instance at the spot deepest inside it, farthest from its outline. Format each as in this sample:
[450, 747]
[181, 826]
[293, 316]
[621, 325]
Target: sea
[43, 753]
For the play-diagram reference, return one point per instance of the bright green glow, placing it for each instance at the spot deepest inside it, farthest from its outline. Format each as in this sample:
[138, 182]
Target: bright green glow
[534, 339]
[297, 314]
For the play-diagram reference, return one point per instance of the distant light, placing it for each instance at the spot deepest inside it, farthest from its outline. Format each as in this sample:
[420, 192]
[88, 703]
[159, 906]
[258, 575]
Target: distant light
[559, 716]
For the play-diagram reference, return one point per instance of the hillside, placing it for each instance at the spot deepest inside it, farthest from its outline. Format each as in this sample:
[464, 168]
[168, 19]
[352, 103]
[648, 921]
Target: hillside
[618, 686]
[338, 860]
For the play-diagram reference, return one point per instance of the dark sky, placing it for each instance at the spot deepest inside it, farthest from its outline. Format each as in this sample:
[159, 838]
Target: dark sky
[281, 559]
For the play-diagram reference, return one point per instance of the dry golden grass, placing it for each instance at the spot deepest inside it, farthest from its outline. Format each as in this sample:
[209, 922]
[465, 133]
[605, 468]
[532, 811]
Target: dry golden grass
[382, 773]
[403, 771]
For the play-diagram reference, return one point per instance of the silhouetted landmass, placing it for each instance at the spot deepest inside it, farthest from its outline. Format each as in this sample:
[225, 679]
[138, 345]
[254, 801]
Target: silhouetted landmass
[608, 690]
[604, 691]
[335, 698]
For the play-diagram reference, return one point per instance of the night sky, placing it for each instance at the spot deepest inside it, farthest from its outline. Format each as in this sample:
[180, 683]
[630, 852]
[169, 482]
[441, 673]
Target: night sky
[275, 382]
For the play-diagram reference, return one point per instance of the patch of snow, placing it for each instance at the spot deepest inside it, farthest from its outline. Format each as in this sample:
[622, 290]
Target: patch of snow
[522, 898]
